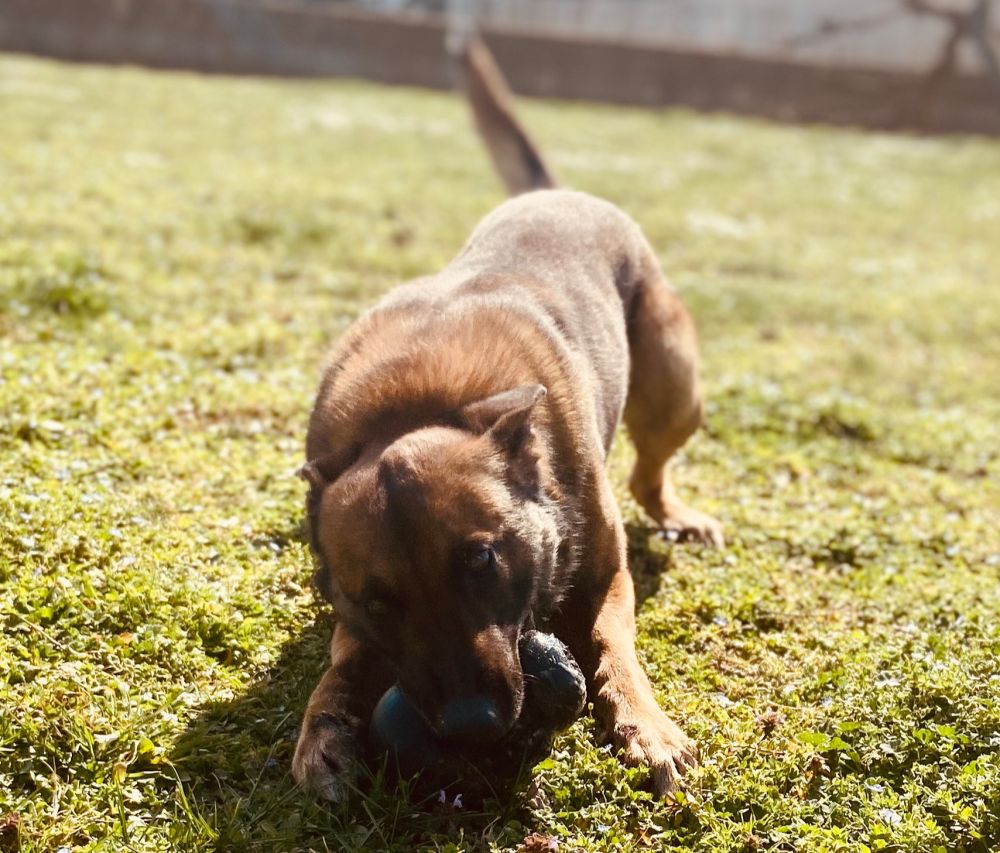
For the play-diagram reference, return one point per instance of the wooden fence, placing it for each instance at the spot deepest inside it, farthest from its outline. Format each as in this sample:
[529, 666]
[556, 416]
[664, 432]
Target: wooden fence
[313, 39]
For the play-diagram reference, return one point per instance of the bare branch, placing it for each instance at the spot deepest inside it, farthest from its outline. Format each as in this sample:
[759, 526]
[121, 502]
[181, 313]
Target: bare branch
[923, 7]
[978, 31]
[828, 28]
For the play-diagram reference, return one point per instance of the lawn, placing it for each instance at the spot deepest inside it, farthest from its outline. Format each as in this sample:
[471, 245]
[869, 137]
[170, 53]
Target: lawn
[176, 255]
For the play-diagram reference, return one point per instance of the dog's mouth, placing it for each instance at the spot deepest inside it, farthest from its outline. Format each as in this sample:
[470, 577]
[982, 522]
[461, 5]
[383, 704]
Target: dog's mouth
[472, 721]
[543, 692]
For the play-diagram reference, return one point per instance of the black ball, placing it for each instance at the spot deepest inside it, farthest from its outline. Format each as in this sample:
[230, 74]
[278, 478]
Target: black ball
[399, 732]
[554, 695]
[555, 690]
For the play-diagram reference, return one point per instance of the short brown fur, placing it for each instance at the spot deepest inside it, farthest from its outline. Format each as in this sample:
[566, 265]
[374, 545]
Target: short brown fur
[474, 409]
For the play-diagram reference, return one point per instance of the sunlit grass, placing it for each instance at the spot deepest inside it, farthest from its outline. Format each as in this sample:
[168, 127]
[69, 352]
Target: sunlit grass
[176, 253]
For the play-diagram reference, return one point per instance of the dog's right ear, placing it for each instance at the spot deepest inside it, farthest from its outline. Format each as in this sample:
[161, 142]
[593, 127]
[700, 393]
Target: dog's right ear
[323, 470]
[312, 473]
[319, 473]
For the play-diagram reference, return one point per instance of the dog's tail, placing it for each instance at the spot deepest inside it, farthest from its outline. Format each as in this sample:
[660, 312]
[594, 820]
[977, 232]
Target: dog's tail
[515, 156]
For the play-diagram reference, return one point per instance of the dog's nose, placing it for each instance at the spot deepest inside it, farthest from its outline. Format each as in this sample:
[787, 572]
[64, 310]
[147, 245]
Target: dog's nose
[471, 722]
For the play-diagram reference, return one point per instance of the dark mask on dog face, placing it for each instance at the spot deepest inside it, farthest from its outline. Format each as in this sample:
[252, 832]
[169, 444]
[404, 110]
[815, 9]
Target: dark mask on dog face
[435, 548]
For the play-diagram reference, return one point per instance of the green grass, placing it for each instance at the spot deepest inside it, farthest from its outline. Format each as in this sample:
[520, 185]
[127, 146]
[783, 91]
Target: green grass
[176, 253]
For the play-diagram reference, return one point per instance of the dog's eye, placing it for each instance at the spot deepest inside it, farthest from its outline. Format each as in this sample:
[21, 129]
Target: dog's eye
[481, 559]
[376, 608]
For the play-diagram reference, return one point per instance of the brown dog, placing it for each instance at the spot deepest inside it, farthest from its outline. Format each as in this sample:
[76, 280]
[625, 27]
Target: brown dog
[456, 463]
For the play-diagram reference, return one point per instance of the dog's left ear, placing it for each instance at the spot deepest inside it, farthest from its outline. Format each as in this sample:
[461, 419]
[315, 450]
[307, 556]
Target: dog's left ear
[506, 417]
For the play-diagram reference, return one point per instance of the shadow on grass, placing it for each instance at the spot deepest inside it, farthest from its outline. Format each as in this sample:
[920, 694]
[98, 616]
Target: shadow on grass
[648, 559]
[234, 758]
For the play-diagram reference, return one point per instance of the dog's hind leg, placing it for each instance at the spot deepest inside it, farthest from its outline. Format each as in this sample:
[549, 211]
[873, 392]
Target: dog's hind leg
[664, 405]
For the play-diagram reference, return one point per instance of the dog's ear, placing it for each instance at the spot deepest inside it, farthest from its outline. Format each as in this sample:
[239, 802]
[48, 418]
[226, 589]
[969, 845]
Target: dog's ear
[323, 470]
[506, 417]
[319, 473]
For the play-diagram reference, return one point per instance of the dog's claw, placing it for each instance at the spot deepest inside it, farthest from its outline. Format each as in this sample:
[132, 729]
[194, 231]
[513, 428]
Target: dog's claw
[658, 743]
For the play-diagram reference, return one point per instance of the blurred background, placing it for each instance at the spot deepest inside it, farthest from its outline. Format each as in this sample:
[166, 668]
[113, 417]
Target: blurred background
[930, 65]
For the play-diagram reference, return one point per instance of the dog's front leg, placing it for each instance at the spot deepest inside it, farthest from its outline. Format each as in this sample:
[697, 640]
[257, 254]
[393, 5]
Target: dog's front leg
[600, 628]
[624, 704]
[338, 712]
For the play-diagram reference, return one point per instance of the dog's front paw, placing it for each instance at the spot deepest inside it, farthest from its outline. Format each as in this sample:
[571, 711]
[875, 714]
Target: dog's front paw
[651, 739]
[325, 756]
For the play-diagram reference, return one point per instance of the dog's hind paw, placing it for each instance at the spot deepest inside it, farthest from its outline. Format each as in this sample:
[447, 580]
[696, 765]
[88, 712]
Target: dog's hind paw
[684, 524]
[325, 757]
[680, 522]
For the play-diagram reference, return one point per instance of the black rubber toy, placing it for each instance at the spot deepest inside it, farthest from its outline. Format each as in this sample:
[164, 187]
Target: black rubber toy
[554, 695]
[554, 688]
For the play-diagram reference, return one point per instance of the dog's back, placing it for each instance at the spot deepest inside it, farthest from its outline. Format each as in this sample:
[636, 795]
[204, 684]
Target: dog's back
[533, 293]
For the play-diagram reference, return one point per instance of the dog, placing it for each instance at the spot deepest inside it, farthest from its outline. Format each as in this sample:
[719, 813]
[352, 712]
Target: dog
[456, 469]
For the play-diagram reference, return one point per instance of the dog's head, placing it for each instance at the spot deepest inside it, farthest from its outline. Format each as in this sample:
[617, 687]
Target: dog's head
[435, 547]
